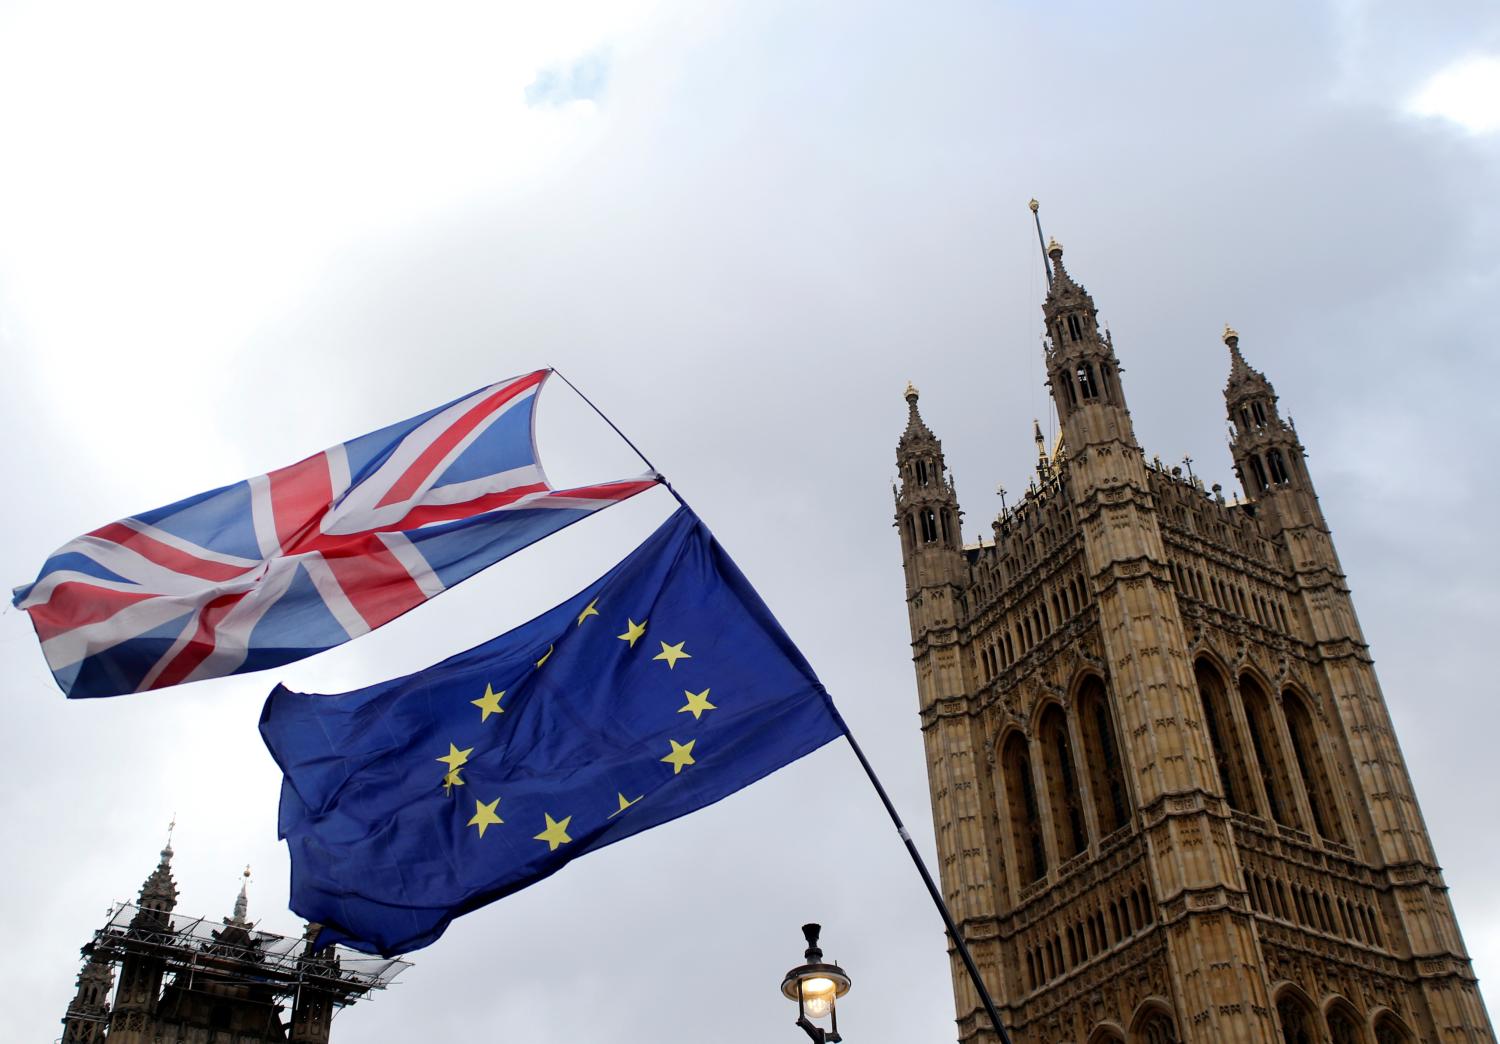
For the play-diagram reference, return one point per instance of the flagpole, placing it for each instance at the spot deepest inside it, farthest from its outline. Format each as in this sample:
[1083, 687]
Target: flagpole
[932, 889]
[625, 438]
[911, 848]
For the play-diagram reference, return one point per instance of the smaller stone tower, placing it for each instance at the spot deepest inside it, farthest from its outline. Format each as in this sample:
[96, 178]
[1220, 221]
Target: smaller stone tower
[185, 979]
[88, 1014]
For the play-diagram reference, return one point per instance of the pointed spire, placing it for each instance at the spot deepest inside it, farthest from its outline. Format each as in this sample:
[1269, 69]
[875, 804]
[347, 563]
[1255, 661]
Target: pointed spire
[242, 904]
[1240, 372]
[1038, 438]
[1063, 288]
[158, 894]
[916, 427]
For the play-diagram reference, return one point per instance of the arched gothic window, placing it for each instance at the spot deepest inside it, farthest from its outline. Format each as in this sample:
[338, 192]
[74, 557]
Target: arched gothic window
[1297, 1021]
[1259, 470]
[1389, 1031]
[1088, 387]
[1101, 756]
[1311, 766]
[1025, 823]
[1075, 329]
[1277, 463]
[1269, 758]
[921, 473]
[1234, 772]
[1158, 1028]
[1343, 1027]
[929, 526]
[1062, 784]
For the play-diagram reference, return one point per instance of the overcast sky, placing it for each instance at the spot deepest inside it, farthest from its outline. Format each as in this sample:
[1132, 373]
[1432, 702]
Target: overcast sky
[233, 235]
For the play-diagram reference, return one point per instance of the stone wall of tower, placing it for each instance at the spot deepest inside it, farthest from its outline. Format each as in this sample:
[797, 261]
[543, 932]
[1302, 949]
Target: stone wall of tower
[928, 521]
[1156, 713]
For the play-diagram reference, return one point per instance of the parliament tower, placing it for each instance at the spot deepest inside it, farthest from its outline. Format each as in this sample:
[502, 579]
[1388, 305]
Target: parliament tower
[1170, 805]
[188, 980]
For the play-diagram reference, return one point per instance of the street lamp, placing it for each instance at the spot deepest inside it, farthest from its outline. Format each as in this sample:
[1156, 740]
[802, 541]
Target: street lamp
[816, 987]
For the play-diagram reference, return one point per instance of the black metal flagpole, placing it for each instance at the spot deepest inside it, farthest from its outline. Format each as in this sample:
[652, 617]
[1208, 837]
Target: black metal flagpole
[932, 890]
[1041, 242]
[911, 848]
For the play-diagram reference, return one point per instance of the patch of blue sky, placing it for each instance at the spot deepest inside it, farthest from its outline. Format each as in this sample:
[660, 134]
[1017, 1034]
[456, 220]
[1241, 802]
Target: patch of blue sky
[557, 86]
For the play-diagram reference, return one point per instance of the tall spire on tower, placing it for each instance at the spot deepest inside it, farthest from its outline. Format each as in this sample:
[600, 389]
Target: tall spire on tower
[158, 894]
[242, 904]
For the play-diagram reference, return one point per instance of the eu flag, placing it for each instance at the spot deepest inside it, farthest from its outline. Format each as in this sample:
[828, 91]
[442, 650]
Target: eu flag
[664, 687]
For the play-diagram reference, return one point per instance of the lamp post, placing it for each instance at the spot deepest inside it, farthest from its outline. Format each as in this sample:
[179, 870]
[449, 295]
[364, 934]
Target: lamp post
[816, 987]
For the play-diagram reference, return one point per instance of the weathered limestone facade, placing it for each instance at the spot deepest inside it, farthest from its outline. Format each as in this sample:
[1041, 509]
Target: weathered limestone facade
[1169, 802]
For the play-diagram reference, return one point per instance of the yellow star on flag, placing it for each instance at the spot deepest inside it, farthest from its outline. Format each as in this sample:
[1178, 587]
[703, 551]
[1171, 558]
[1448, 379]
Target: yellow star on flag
[624, 804]
[489, 703]
[697, 703]
[672, 653]
[556, 833]
[452, 779]
[682, 754]
[633, 631]
[588, 611]
[545, 656]
[455, 757]
[484, 815]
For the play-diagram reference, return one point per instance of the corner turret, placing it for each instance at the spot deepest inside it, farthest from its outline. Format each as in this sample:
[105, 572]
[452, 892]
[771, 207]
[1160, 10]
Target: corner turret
[928, 519]
[1268, 457]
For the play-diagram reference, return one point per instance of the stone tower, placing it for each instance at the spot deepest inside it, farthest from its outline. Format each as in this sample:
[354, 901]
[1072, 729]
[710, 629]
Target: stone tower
[184, 979]
[1169, 802]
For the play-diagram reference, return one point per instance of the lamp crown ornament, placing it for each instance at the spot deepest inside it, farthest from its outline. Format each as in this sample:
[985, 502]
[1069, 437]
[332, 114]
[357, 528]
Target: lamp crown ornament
[810, 932]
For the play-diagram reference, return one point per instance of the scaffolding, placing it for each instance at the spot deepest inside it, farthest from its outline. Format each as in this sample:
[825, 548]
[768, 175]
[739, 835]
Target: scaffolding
[194, 948]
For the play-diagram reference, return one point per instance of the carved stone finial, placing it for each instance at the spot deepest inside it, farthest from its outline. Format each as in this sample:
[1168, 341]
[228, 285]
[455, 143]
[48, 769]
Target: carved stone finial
[911, 393]
[1054, 249]
[1231, 337]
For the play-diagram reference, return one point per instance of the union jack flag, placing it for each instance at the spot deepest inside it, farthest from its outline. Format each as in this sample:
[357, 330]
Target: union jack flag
[284, 565]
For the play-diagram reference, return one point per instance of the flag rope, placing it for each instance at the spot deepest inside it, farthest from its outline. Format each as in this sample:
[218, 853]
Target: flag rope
[625, 438]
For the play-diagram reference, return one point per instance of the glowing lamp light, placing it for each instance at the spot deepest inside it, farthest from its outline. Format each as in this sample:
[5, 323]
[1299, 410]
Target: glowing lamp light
[816, 987]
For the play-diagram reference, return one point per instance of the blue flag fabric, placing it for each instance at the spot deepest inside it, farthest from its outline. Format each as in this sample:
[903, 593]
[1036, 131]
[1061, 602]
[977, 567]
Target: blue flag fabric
[662, 688]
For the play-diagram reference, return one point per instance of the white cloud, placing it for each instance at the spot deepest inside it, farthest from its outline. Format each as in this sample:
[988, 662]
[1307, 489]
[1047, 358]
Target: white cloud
[165, 157]
[1466, 93]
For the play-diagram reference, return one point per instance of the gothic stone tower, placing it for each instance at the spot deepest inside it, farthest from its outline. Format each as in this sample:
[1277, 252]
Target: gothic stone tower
[184, 980]
[1169, 802]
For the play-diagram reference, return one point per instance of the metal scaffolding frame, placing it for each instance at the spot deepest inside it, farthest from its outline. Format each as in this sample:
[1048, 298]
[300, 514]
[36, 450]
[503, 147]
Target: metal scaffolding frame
[189, 947]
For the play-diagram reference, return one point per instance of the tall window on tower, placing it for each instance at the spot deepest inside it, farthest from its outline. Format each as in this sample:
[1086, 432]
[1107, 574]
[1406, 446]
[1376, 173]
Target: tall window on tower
[1311, 766]
[1258, 474]
[1234, 772]
[1101, 755]
[1025, 823]
[1279, 473]
[921, 473]
[1269, 758]
[1062, 784]
[929, 526]
[1075, 328]
[1088, 387]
